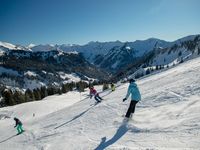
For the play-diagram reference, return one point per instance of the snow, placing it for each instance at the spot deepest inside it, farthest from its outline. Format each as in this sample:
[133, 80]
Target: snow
[70, 77]
[30, 73]
[166, 58]
[11, 46]
[72, 52]
[1, 54]
[7, 45]
[31, 45]
[128, 47]
[166, 118]
[51, 104]
[32, 84]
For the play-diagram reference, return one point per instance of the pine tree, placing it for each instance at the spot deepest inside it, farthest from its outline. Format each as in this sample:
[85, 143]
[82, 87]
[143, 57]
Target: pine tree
[43, 92]
[180, 54]
[37, 94]
[18, 97]
[70, 86]
[181, 60]
[8, 97]
[147, 71]
[157, 67]
[50, 91]
[80, 86]
[59, 91]
[29, 96]
[64, 89]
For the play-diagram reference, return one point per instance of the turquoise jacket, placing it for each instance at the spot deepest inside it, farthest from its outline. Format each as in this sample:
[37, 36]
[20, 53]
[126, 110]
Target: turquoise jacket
[134, 91]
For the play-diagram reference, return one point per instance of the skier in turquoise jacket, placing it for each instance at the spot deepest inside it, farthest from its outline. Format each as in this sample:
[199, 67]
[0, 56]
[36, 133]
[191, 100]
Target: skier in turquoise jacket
[135, 97]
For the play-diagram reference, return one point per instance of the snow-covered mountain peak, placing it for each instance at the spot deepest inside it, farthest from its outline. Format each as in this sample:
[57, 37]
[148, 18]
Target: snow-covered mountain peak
[31, 45]
[8, 45]
[46, 47]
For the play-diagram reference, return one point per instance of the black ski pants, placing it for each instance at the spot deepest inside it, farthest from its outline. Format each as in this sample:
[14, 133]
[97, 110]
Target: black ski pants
[97, 98]
[131, 108]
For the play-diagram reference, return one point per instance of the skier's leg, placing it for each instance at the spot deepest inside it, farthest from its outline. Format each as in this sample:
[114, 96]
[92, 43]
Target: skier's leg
[21, 128]
[134, 104]
[99, 97]
[18, 129]
[95, 97]
[129, 109]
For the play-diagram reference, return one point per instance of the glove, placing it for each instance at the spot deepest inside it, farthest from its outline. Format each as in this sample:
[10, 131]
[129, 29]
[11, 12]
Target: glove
[124, 99]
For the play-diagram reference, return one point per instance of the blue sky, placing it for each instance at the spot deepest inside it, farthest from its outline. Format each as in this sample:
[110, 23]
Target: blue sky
[80, 21]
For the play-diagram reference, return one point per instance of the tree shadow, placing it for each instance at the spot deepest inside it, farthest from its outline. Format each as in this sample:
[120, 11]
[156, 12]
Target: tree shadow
[120, 132]
[8, 138]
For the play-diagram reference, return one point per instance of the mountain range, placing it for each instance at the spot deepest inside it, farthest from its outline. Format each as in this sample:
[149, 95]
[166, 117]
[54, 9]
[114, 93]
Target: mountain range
[96, 60]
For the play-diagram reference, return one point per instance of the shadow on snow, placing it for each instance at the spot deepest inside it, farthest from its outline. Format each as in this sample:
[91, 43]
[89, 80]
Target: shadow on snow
[121, 131]
[8, 138]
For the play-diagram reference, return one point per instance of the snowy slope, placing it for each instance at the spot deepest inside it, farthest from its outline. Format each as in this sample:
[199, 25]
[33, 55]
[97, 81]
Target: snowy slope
[184, 49]
[166, 118]
[11, 46]
[7, 45]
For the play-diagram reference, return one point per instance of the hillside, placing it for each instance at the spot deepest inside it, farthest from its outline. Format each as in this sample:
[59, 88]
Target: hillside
[166, 118]
[27, 69]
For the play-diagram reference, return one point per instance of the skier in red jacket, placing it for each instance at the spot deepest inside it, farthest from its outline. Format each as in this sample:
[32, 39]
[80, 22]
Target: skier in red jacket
[94, 93]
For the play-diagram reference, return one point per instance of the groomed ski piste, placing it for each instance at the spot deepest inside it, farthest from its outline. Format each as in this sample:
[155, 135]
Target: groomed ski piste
[167, 117]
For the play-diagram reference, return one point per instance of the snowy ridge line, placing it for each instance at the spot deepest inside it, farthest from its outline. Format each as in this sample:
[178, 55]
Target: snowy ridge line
[158, 72]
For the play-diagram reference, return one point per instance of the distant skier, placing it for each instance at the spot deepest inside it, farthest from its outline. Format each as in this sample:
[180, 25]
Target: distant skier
[112, 86]
[18, 125]
[94, 93]
[135, 97]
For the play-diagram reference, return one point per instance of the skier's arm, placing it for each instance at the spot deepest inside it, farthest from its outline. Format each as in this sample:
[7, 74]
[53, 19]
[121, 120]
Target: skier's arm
[91, 94]
[128, 92]
[15, 124]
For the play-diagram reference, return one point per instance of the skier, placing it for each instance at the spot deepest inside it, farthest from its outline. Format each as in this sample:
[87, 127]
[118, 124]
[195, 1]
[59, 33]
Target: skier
[18, 125]
[135, 98]
[94, 93]
[112, 87]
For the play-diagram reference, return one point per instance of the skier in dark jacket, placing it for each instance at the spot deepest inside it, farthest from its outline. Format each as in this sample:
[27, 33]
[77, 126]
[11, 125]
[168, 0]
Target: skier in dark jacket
[18, 124]
[94, 93]
[135, 97]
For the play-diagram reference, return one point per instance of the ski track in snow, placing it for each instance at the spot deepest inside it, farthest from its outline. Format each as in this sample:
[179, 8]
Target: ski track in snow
[167, 117]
